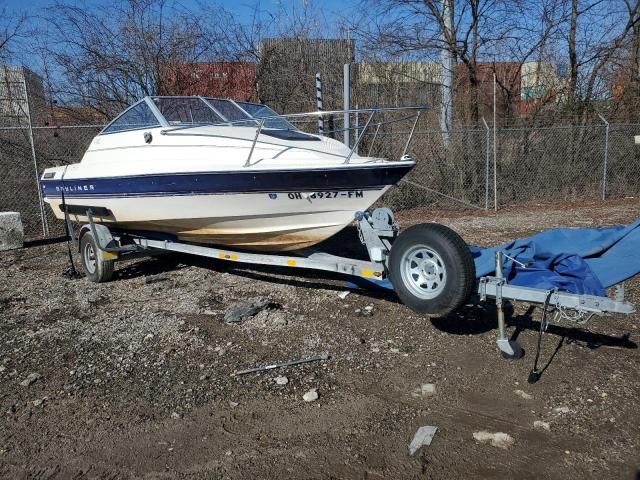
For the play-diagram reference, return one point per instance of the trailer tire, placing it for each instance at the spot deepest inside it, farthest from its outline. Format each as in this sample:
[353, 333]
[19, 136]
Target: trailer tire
[95, 267]
[431, 269]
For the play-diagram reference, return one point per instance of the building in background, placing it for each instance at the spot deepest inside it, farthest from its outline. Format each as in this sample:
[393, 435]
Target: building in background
[235, 80]
[398, 84]
[542, 83]
[287, 69]
[61, 116]
[21, 97]
[284, 78]
[508, 85]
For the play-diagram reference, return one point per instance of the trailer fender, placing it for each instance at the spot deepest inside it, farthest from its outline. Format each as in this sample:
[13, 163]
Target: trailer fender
[104, 238]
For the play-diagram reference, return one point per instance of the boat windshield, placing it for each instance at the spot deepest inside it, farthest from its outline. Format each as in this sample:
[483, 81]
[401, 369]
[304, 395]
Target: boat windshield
[186, 111]
[257, 110]
[134, 118]
[231, 111]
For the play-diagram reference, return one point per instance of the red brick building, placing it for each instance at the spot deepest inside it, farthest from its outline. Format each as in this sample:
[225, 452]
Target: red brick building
[508, 85]
[235, 80]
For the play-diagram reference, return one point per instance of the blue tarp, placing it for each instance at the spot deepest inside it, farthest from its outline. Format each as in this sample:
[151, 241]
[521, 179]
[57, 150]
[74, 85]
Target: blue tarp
[576, 260]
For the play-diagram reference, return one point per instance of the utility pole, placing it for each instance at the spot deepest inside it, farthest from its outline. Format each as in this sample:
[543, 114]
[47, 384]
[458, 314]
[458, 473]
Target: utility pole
[347, 103]
[446, 73]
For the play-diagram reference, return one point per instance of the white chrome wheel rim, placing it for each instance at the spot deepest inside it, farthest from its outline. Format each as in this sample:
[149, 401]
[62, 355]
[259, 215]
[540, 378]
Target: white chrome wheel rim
[423, 272]
[89, 258]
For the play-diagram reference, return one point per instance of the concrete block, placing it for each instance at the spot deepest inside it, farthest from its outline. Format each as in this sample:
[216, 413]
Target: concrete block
[11, 231]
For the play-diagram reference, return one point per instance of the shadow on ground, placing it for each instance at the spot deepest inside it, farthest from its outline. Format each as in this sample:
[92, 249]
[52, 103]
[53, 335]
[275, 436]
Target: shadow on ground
[482, 317]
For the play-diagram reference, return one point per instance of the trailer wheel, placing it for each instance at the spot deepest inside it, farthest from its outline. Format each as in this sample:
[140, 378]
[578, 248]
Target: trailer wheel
[431, 269]
[95, 267]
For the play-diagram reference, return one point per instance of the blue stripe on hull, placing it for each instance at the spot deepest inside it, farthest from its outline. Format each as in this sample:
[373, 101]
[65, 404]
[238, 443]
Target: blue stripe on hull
[366, 177]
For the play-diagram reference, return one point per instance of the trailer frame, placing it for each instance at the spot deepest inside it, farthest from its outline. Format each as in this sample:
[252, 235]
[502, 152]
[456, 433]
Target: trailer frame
[377, 230]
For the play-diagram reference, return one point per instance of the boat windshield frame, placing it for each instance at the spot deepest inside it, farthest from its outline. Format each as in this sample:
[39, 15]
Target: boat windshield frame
[154, 110]
[275, 117]
[163, 122]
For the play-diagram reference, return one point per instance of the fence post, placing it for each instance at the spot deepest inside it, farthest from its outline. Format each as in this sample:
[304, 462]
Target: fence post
[495, 149]
[43, 217]
[487, 162]
[606, 156]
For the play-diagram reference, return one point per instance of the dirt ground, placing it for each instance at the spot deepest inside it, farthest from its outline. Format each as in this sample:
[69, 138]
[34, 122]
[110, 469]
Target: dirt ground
[136, 380]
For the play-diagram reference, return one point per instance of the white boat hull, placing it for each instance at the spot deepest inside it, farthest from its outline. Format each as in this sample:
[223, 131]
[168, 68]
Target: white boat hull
[276, 221]
[221, 185]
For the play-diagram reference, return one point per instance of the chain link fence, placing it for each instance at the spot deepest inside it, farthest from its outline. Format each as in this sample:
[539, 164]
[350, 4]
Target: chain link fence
[551, 164]
[532, 165]
[623, 162]
[23, 165]
[451, 171]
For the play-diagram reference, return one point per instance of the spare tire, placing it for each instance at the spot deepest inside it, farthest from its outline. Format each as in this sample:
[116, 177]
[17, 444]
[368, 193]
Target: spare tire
[431, 269]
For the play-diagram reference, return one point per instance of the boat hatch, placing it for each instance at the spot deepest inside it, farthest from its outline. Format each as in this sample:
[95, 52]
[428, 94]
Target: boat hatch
[289, 134]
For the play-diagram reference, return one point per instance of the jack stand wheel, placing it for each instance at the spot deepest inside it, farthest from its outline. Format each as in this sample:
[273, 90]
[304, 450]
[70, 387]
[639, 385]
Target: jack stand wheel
[510, 349]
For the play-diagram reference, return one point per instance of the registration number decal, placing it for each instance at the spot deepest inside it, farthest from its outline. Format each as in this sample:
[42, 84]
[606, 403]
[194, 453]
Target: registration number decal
[324, 195]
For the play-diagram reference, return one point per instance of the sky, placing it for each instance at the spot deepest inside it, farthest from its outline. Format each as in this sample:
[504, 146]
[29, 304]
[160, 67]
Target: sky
[242, 7]
[329, 10]
[332, 12]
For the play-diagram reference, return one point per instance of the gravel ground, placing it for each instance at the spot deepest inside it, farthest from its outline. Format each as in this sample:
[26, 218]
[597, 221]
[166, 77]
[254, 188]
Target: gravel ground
[136, 380]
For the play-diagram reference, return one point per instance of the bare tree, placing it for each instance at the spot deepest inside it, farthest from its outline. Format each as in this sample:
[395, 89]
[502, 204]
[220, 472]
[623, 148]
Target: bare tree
[595, 39]
[622, 69]
[633, 11]
[122, 51]
[13, 26]
[479, 28]
[600, 34]
[527, 41]
[290, 50]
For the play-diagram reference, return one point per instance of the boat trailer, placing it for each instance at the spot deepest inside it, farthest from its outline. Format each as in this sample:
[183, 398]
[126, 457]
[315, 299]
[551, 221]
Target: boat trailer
[422, 268]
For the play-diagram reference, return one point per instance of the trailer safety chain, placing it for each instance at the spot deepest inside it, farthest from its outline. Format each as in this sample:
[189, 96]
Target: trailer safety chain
[70, 273]
[580, 316]
[534, 374]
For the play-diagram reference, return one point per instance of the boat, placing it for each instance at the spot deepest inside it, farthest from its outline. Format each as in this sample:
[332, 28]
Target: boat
[220, 172]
